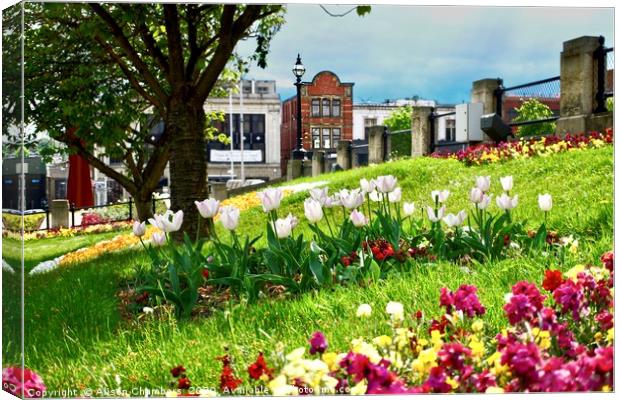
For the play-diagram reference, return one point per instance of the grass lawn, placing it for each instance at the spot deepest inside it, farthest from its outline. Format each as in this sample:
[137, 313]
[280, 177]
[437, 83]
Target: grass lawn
[75, 337]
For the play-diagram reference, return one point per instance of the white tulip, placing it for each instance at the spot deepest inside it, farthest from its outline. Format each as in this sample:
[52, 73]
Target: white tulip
[483, 183]
[386, 183]
[313, 210]
[366, 185]
[545, 202]
[319, 194]
[351, 199]
[506, 202]
[358, 219]
[293, 220]
[283, 228]
[484, 203]
[435, 217]
[440, 195]
[158, 239]
[453, 220]
[332, 201]
[395, 196]
[395, 310]
[174, 224]
[158, 220]
[208, 208]
[270, 198]
[139, 228]
[476, 195]
[229, 216]
[375, 196]
[506, 183]
[364, 311]
[408, 209]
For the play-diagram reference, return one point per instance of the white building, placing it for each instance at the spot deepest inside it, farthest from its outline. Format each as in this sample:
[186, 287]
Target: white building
[372, 114]
[261, 120]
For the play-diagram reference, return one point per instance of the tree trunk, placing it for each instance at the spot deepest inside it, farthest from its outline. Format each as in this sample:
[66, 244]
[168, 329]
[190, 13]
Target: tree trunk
[188, 163]
[144, 206]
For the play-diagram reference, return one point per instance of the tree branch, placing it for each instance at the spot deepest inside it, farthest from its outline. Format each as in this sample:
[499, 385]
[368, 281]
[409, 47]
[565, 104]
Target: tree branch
[131, 53]
[175, 47]
[152, 48]
[230, 33]
[130, 76]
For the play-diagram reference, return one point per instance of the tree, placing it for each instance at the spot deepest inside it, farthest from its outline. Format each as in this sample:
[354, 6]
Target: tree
[400, 120]
[105, 66]
[532, 110]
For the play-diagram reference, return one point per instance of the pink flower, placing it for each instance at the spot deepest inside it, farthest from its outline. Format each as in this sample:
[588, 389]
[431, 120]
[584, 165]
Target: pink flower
[569, 296]
[318, 343]
[15, 380]
[463, 299]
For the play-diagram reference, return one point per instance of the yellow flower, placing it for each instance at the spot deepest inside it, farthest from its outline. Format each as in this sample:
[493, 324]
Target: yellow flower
[436, 339]
[573, 272]
[610, 335]
[382, 341]
[452, 383]
[476, 347]
[331, 359]
[360, 388]
[477, 325]
[280, 387]
[494, 389]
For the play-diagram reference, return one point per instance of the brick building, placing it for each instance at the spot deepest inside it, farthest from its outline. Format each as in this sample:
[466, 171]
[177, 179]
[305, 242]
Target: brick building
[326, 115]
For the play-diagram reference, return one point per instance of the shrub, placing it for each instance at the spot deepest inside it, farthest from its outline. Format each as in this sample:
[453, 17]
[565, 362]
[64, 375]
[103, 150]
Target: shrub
[532, 110]
[13, 222]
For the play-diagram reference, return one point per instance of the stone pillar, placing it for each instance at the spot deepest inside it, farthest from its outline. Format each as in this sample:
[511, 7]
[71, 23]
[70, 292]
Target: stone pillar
[60, 213]
[318, 162]
[376, 144]
[294, 169]
[578, 82]
[343, 154]
[483, 91]
[219, 191]
[420, 131]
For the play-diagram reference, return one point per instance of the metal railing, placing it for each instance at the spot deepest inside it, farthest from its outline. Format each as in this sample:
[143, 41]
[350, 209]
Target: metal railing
[432, 144]
[604, 56]
[73, 210]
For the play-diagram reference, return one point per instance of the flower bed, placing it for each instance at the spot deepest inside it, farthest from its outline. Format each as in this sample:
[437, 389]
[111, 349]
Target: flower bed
[558, 339]
[525, 148]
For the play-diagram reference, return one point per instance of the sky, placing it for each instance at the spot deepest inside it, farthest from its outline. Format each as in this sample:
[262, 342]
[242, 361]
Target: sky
[433, 52]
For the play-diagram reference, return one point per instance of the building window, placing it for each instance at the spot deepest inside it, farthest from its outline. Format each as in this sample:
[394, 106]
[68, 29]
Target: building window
[326, 108]
[316, 107]
[335, 136]
[327, 143]
[335, 108]
[316, 138]
[450, 130]
[370, 122]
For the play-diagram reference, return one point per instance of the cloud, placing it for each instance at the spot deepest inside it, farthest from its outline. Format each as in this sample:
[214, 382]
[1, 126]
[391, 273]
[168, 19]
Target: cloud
[434, 52]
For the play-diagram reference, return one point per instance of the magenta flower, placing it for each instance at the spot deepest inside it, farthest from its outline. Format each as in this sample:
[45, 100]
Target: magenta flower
[463, 299]
[437, 380]
[15, 380]
[453, 355]
[318, 343]
[570, 297]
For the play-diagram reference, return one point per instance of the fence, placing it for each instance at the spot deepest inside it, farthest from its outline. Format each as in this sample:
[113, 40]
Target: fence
[124, 211]
[449, 142]
[605, 71]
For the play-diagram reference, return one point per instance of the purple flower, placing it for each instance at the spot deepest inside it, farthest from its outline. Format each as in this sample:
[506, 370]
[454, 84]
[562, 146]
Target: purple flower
[463, 299]
[453, 355]
[523, 360]
[524, 304]
[318, 343]
[437, 380]
[569, 296]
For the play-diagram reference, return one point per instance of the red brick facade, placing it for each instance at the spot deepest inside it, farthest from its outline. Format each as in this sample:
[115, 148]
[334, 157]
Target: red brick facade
[324, 125]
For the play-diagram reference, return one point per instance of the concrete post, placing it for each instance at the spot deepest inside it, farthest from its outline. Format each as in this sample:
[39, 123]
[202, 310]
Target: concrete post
[483, 91]
[294, 169]
[60, 213]
[420, 131]
[318, 162]
[219, 191]
[343, 154]
[578, 82]
[376, 145]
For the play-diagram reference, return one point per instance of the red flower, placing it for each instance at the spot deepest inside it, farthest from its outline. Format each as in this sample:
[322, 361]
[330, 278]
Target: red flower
[184, 383]
[228, 381]
[608, 260]
[553, 279]
[177, 371]
[205, 273]
[259, 368]
[345, 260]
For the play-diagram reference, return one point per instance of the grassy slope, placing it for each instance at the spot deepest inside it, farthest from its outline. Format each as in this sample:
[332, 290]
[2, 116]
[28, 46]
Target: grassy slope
[73, 335]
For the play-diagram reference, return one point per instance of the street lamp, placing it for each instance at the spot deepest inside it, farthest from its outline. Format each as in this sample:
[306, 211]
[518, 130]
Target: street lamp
[298, 70]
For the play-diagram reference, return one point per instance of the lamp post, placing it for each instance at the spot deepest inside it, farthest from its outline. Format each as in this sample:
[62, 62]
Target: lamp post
[298, 70]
